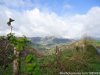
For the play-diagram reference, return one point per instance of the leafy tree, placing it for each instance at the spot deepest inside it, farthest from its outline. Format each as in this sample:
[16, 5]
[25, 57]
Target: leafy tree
[10, 49]
[19, 44]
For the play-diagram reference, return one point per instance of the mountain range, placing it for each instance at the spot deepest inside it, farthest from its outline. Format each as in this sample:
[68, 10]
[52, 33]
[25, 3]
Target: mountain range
[48, 42]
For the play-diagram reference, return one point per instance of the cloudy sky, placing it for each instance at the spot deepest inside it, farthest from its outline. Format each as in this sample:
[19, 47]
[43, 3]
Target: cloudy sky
[60, 18]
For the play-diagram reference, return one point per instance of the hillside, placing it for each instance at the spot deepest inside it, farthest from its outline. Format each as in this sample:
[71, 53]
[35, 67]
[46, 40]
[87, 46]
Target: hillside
[46, 43]
[80, 56]
[49, 40]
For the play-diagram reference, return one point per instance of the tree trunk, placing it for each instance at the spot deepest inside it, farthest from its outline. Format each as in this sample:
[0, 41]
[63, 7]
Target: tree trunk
[16, 62]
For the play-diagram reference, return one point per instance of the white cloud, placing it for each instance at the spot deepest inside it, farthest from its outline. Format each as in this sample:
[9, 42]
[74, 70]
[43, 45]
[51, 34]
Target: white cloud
[37, 23]
[17, 4]
[90, 21]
